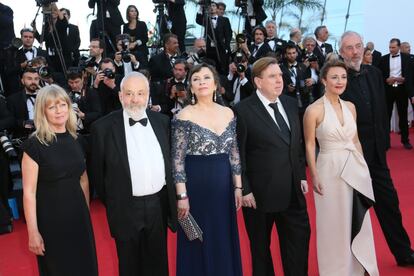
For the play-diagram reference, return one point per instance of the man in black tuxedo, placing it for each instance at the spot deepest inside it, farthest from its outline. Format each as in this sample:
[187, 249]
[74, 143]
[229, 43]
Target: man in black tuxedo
[73, 38]
[273, 173]
[376, 55]
[131, 169]
[216, 27]
[176, 14]
[259, 48]
[295, 38]
[322, 48]
[276, 44]
[365, 89]
[108, 18]
[160, 65]
[397, 73]
[18, 63]
[21, 104]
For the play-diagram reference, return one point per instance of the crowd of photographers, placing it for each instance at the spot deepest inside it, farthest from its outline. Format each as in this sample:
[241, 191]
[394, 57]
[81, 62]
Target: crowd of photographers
[117, 48]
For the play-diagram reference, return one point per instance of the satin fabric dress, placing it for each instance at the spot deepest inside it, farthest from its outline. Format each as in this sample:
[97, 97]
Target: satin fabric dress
[345, 244]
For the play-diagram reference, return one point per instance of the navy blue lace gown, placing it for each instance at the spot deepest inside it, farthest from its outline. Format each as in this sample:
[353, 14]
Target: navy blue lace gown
[206, 162]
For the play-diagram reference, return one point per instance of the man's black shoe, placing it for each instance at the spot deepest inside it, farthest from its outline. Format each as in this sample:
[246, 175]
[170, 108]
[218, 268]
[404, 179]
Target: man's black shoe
[409, 261]
[407, 145]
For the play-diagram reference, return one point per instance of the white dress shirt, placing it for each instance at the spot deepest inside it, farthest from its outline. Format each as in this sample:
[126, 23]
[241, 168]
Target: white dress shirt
[270, 110]
[146, 162]
[395, 66]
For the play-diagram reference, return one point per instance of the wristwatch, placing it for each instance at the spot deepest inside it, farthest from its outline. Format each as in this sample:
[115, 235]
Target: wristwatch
[182, 196]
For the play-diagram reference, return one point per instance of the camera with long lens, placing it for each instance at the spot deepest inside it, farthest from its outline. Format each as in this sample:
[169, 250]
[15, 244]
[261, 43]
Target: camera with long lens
[311, 57]
[86, 62]
[198, 57]
[7, 145]
[238, 60]
[240, 3]
[44, 72]
[42, 3]
[108, 73]
[125, 53]
[240, 38]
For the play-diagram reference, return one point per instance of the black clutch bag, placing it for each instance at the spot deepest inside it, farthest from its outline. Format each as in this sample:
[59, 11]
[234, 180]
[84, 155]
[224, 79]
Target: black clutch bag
[191, 228]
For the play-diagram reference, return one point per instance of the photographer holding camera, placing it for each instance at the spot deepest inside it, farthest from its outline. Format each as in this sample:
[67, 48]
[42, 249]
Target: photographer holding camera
[21, 104]
[107, 86]
[85, 102]
[238, 84]
[47, 76]
[17, 64]
[176, 89]
[90, 65]
[125, 61]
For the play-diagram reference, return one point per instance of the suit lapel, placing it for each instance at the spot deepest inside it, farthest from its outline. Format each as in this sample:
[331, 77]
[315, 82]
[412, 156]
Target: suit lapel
[265, 116]
[118, 132]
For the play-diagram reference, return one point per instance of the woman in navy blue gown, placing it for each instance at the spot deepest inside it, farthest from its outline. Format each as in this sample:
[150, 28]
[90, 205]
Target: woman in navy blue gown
[206, 167]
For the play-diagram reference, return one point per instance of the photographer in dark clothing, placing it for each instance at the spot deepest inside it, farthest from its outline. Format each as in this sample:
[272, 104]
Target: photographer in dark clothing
[107, 86]
[6, 36]
[85, 102]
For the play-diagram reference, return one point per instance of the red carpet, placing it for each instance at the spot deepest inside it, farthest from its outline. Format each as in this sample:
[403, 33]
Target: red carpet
[16, 260]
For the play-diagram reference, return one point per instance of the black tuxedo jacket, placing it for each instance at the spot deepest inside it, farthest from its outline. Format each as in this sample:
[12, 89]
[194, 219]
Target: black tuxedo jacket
[17, 105]
[6, 118]
[245, 90]
[298, 50]
[222, 32]
[160, 67]
[319, 53]
[110, 171]
[372, 118]
[73, 43]
[406, 71]
[271, 169]
[112, 7]
[376, 58]
[261, 52]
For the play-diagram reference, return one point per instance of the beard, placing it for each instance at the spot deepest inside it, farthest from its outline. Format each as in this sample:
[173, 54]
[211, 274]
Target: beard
[354, 64]
[134, 111]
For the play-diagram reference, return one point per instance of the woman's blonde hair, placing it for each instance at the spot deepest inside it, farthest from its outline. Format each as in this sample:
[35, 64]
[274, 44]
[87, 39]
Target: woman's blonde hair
[45, 96]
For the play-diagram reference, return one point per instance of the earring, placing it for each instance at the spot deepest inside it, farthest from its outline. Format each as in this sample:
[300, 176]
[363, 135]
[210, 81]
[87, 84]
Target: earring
[192, 99]
[214, 96]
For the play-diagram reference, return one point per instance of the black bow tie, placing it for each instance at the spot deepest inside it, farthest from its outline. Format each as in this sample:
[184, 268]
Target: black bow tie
[214, 18]
[394, 56]
[28, 50]
[323, 45]
[30, 96]
[293, 66]
[143, 121]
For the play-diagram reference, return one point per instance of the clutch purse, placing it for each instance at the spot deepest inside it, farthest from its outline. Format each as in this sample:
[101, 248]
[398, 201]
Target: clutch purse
[191, 228]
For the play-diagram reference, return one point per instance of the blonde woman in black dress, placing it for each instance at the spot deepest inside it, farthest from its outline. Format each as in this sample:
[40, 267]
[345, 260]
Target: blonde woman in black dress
[56, 190]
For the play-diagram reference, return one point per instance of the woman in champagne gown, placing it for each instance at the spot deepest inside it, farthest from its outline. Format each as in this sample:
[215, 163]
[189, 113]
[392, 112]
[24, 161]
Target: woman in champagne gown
[342, 183]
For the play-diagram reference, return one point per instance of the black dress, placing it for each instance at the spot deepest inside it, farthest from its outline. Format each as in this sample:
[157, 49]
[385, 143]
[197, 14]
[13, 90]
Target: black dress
[62, 214]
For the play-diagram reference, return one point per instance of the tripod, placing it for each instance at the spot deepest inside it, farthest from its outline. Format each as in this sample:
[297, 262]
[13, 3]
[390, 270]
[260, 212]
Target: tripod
[208, 25]
[102, 34]
[162, 24]
[48, 23]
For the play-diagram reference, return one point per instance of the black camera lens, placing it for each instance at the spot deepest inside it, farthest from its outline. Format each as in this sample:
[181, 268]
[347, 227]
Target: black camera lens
[240, 68]
[125, 56]
[44, 72]
[108, 73]
[180, 87]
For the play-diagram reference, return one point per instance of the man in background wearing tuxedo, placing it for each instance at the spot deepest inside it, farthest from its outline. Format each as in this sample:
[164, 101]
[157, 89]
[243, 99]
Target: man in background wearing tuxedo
[397, 73]
[218, 36]
[322, 48]
[273, 173]
[74, 40]
[176, 14]
[376, 55]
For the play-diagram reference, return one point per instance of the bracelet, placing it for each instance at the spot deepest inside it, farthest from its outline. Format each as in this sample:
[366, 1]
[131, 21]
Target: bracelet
[236, 187]
[182, 196]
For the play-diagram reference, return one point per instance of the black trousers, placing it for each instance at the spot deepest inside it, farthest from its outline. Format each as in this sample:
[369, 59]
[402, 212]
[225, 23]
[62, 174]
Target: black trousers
[388, 211]
[400, 96]
[294, 233]
[145, 254]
